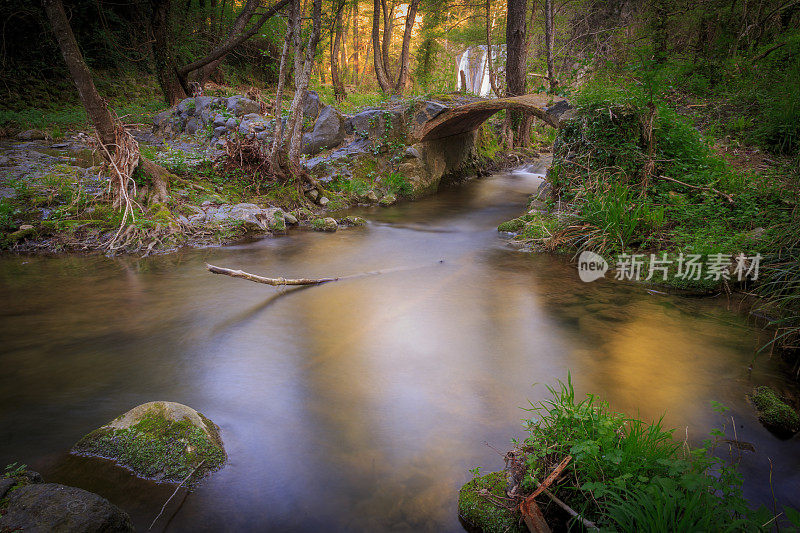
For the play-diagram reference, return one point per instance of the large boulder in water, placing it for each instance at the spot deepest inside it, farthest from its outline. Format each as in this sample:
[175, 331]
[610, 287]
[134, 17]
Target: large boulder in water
[28, 504]
[164, 441]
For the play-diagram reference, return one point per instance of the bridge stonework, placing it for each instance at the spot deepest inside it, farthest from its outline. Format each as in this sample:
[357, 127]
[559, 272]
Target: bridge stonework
[469, 117]
[442, 145]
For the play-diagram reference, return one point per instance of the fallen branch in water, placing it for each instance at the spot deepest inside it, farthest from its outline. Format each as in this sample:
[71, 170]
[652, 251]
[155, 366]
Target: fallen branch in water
[275, 282]
[174, 493]
[280, 282]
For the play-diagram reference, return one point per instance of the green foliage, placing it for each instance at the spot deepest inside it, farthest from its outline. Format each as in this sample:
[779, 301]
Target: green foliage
[14, 470]
[632, 475]
[397, 184]
[6, 215]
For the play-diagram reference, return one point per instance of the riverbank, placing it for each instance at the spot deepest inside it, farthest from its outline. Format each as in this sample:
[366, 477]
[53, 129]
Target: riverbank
[634, 181]
[53, 194]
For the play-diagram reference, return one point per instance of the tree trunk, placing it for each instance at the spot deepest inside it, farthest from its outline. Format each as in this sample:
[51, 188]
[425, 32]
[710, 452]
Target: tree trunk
[402, 75]
[338, 84]
[515, 47]
[489, 63]
[549, 33]
[277, 139]
[356, 44]
[121, 151]
[380, 68]
[92, 101]
[388, 28]
[173, 84]
[303, 66]
[515, 61]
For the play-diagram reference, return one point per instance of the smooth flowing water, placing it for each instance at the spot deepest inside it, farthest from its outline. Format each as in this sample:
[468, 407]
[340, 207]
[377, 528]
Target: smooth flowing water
[362, 404]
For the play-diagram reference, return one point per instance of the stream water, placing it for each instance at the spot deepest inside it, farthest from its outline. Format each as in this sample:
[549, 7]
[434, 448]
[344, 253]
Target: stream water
[358, 405]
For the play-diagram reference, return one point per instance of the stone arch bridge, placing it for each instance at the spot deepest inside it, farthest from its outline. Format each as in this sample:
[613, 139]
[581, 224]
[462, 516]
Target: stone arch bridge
[443, 144]
[468, 117]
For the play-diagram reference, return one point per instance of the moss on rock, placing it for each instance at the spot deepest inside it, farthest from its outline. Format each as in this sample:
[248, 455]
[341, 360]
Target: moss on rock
[774, 412]
[509, 226]
[324, 224]
[164, 441]
[481, 513]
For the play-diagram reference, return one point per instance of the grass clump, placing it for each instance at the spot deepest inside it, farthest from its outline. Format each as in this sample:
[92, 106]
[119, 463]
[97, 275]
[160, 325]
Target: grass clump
[773, 412]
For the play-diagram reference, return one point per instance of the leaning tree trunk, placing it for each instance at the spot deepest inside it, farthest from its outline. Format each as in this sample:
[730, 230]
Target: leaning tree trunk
[338, 83]
[231, 43]
[380, 67]
[236, 28]
[402, 75]
[118, 146]
[94, 104]
[515, 60]
[173, 85]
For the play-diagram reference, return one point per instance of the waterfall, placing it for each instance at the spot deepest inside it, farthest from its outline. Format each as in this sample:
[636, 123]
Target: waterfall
[473, 62]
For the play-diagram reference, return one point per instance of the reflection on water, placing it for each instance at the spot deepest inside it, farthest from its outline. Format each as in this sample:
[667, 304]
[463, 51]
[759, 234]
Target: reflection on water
[356, 405]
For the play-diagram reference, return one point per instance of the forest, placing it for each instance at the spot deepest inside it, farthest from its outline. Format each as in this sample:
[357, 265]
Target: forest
[442, 203]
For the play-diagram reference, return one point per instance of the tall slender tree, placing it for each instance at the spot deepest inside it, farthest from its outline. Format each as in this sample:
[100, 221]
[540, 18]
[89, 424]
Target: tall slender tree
[336, 78]
[549, 37]
[303, 63]
[380, 49]
[515, 61]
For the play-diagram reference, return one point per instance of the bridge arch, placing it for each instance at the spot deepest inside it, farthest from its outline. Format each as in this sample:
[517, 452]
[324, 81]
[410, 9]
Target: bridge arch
[469, 117]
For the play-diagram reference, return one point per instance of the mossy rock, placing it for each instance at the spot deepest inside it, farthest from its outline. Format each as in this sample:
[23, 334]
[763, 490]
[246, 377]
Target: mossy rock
[324, 224]
[774, 413]
[164, 441]
[510, 226]
[353, 220]
[481, 513]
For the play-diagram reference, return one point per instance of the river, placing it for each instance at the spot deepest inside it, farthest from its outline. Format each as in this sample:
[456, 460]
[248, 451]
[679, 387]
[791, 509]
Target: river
[362, 404]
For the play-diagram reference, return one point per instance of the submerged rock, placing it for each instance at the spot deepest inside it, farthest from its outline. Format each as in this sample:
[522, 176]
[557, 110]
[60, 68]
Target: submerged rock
[164, 441]
[481, 513]
[774, 413]
[58, 508]
[28, 504]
